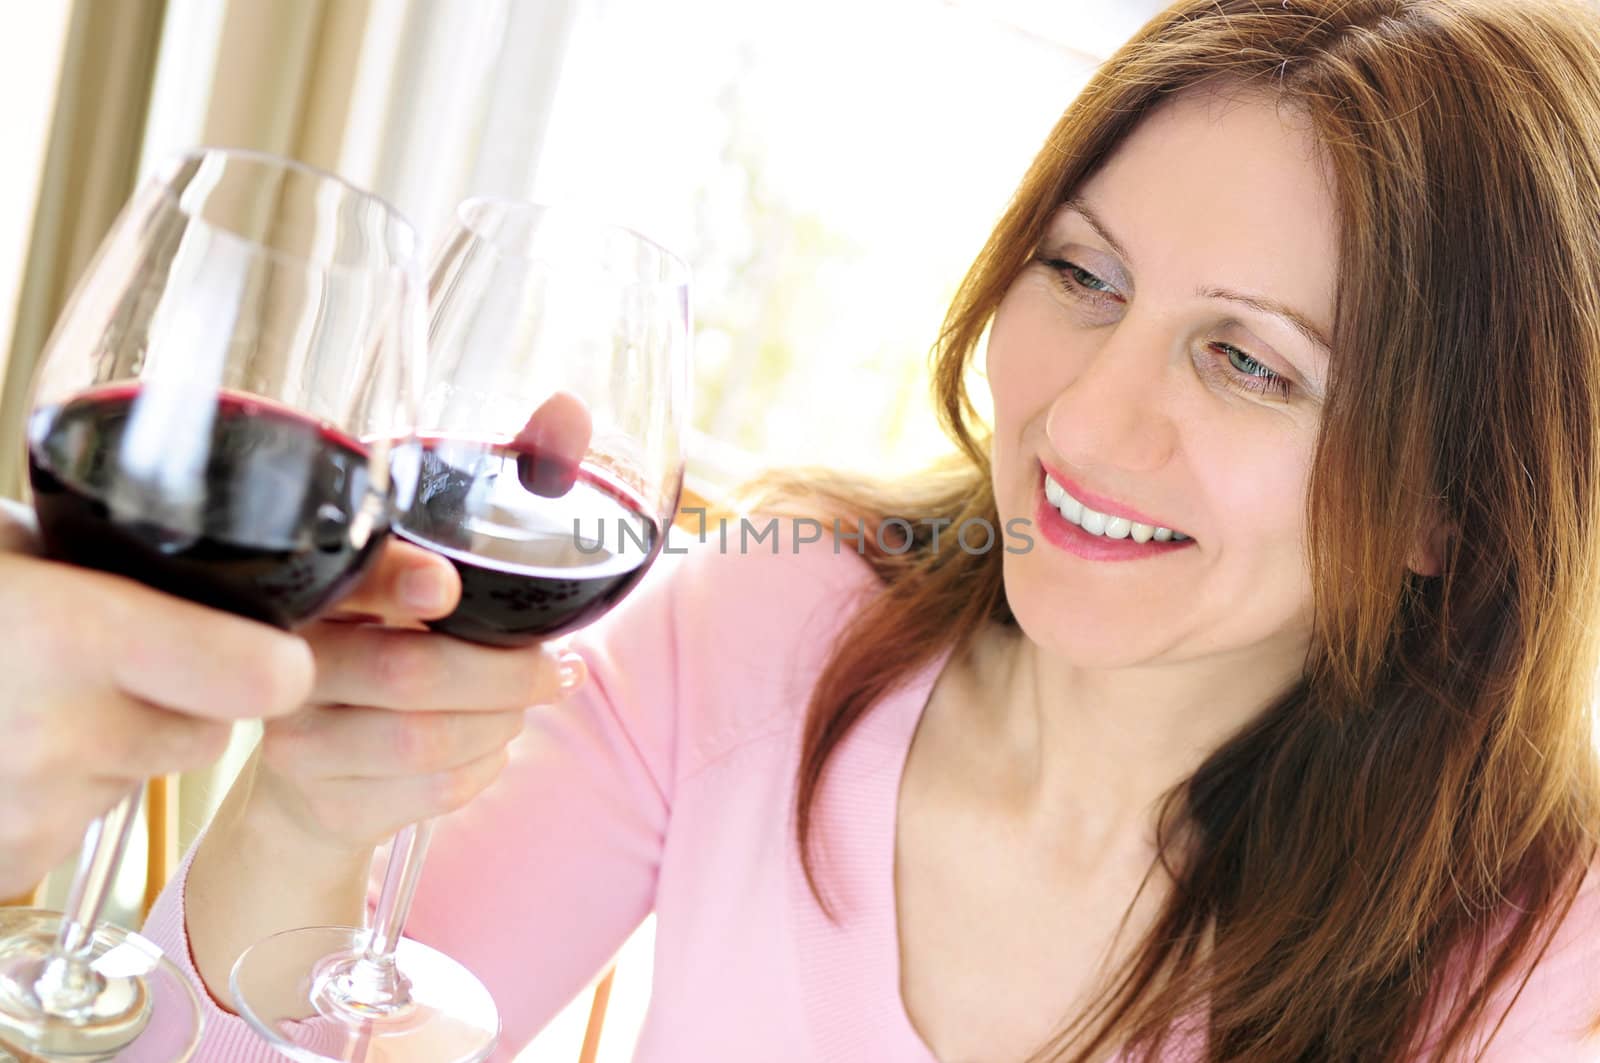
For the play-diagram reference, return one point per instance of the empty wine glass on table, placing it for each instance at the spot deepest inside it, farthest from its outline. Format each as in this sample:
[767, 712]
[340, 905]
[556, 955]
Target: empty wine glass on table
[213, 416]
[550, 469]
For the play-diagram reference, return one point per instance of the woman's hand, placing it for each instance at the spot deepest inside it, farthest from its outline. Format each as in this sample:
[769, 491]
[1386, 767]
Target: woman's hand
[403, 724]
[105, 683]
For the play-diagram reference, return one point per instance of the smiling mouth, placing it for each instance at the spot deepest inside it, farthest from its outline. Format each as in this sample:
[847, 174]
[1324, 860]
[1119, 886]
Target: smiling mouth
[1093, 522]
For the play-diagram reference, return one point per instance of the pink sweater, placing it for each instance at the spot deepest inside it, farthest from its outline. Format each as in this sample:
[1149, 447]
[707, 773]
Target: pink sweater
[666, 785]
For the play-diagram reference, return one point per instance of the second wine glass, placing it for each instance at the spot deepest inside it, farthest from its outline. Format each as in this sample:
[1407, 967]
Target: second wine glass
[549, 466]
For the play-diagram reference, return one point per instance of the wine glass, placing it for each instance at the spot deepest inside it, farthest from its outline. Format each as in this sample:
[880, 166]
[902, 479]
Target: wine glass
[214, 417]
[550, 470]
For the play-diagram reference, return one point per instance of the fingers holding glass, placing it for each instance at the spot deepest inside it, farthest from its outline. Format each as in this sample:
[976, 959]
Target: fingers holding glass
[414, 671]
[405, 586]
[552, 444]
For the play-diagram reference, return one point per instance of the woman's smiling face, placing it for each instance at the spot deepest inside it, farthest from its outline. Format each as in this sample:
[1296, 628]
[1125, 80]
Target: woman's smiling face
[1163, 356]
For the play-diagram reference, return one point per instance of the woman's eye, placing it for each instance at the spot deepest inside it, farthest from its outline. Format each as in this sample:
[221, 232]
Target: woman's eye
[1242, 371]
[1079, 281]
[1251, 374]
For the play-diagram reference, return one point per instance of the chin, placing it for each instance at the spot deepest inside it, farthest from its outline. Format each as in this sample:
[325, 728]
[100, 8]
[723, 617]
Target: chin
[1083, 633]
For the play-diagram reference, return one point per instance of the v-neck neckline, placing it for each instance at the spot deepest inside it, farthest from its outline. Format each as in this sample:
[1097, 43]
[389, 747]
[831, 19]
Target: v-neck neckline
[850, 971]
[911, 724]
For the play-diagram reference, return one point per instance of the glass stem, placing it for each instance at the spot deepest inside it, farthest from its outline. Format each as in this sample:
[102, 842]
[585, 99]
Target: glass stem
[375, 976]
[68, 985]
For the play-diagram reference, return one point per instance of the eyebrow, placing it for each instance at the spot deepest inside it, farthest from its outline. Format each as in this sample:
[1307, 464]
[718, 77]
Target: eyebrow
[1297, 320]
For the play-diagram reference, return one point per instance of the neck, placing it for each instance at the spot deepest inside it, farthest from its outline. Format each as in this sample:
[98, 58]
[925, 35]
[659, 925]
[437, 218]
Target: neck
[1093, 751]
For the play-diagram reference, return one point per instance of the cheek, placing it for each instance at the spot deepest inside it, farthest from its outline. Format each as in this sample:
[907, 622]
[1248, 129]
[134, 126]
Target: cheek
[1259, 494]
[1027, 362]
[1022, 346]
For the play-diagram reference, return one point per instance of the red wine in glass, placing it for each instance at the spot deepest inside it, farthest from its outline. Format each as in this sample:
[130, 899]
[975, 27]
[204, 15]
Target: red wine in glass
[542, 546]
[272, 520]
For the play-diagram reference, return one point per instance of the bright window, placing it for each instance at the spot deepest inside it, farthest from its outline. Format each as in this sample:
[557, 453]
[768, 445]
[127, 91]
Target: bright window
[830, 169]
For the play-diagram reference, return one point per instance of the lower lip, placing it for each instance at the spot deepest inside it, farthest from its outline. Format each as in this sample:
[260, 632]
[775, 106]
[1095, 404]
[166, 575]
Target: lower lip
[1059, 531]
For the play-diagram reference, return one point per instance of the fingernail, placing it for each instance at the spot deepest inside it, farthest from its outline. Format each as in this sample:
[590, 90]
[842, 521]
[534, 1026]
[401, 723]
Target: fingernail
[421, 589]
[570, 671]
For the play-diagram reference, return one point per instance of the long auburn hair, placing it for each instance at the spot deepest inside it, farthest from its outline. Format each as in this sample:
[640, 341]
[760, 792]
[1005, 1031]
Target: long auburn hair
[1427, 795]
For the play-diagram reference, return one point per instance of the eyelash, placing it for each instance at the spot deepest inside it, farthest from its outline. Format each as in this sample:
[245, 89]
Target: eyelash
[1076, 281]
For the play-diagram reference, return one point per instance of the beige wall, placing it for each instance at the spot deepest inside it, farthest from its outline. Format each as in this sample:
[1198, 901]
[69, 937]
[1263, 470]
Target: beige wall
[89, 170]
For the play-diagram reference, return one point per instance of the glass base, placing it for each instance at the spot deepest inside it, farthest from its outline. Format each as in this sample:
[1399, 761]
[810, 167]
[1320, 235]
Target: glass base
[139, 1009]
[305, 992]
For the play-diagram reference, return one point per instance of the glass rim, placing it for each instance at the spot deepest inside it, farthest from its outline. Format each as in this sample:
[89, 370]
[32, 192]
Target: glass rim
[682, 274]
[162, 174]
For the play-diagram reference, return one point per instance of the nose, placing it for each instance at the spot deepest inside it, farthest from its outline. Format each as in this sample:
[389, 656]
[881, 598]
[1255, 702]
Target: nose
[1115, 411]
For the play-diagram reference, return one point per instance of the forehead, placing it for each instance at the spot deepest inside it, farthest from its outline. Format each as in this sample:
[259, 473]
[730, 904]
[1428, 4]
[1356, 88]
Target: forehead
[1227, 189]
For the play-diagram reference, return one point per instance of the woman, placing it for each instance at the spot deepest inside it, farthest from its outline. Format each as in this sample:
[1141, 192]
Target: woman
[1271, 742]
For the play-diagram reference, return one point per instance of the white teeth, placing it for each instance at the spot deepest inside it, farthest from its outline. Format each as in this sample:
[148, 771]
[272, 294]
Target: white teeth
[1096, 523]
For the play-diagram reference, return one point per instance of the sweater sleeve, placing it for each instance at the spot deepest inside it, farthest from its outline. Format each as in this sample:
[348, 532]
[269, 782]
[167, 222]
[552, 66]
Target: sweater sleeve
[1550, 1016]
[1556, 1017]
[538, 882]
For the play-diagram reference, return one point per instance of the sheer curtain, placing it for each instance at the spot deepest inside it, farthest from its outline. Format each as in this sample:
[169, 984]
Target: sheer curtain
[88, 170]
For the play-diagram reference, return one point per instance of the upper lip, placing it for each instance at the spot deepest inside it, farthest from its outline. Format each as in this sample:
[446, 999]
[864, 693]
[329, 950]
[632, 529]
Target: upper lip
[1101, 504]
